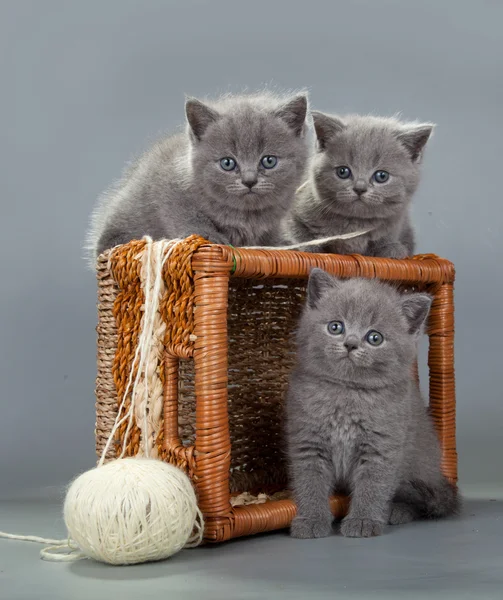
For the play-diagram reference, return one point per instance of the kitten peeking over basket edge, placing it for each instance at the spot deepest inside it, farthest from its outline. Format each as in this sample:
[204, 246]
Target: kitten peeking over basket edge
[230, 177]
[356, 422]
[362, 177]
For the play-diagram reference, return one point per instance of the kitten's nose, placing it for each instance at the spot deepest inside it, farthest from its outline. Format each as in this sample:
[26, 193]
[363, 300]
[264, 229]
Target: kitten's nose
[360, 186]
[249, 178]
[351, 343]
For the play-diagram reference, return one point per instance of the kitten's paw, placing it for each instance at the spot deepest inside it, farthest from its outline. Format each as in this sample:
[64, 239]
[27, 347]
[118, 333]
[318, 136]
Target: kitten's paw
[396, 250]
[215, 238]
[361, 527]
[303, 528]
[401, 513]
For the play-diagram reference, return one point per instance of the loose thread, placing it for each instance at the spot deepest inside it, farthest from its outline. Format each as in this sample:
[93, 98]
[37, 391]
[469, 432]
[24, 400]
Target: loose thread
[50, 553]
[30, 538]
[317, 242]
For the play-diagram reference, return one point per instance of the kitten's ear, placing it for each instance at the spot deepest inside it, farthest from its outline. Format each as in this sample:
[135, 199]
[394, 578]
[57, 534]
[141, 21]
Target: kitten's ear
[416, 308]
[326, 127]
[199, 116]
[294, 113]
[414, 138]
[319, 282]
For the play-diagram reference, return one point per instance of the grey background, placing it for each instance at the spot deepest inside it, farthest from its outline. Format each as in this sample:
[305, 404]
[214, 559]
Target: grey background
[85, 85]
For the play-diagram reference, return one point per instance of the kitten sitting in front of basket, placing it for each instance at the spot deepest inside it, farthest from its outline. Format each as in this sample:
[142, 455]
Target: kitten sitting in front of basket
[356, 422]
[362, 179]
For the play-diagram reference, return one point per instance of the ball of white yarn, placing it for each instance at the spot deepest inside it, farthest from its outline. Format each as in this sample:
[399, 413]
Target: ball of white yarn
[131, 510]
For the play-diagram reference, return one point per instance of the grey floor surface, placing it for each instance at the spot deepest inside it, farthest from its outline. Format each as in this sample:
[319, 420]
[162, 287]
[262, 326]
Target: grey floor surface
[460, 558]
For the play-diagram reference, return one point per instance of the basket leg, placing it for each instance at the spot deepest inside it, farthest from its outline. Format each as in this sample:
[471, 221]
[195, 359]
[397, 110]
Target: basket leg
[442, 383]
[213, 444]
[173, 450]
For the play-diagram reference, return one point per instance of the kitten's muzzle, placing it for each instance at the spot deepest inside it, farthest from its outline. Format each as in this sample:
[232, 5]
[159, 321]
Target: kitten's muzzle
[249, 179]
[351, 343]
[360, 186]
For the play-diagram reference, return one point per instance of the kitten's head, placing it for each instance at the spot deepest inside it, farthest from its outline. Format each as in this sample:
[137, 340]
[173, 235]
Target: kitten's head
[360, 331]
[248, 152]
[367, 167]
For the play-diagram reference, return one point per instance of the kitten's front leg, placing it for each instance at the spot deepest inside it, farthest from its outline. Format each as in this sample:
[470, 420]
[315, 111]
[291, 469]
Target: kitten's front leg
[206, 231]
[374, 484]
[311, 475]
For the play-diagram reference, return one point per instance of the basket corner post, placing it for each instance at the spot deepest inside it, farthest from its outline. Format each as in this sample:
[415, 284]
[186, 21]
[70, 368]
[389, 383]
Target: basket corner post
[212, 436]
[442, 376]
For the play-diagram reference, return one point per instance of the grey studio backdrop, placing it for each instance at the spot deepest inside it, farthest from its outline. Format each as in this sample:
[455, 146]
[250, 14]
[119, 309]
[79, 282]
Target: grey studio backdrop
[85, 85]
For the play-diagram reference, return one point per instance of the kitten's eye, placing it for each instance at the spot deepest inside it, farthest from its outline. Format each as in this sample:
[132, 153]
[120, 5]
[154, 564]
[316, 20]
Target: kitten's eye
[269, 162]
[381, 176]
[374, 338]
[336, 327]
[343, 172]
[228, 164]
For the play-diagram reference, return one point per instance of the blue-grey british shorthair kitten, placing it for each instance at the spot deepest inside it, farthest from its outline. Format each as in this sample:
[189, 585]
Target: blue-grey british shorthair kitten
[362, 178]
[231, 177]
[356, 422]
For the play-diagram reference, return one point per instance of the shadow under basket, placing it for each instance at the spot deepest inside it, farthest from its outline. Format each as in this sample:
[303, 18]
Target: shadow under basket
[227, 347]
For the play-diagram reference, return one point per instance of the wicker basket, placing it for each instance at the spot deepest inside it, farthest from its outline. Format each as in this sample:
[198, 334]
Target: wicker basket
[230, 317]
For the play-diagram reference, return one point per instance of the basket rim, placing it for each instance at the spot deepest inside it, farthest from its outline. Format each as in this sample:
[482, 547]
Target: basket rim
[267, 263]
[258, 263]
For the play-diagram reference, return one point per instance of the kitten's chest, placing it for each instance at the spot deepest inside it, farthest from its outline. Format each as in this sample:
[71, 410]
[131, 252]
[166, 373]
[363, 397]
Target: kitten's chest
[370, 231]
[347, 432]
[342, 226]
[357, 245]
[250, 229]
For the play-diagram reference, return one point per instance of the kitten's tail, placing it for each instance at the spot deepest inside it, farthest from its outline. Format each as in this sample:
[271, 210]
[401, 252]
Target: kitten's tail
[431, 500]
[445, 502]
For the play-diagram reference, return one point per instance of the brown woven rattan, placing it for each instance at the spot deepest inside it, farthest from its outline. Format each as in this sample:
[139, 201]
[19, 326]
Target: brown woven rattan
[231, 315]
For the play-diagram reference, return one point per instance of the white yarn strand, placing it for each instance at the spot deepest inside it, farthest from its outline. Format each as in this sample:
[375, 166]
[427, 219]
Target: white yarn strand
[152, 292]
[30, 538]
[115, 519]
[51, 551]
[300, 245]
[140, 356]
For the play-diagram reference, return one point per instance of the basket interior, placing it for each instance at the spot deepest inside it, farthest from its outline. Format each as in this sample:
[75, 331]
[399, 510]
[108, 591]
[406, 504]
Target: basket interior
[262, 317]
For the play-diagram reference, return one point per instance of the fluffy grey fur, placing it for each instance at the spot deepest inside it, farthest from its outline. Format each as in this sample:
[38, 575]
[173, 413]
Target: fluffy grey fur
[329, 205]
[356, 422]
[179, 186]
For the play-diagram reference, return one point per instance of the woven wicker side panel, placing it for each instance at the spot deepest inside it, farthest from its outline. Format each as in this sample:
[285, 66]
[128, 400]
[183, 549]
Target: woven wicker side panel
[106, 393]
[262, 319]
[187, 402]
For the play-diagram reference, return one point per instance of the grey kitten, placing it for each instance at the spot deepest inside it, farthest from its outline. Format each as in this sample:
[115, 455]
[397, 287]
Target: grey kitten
[231, 177]
[362, 177]
[356, 422]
